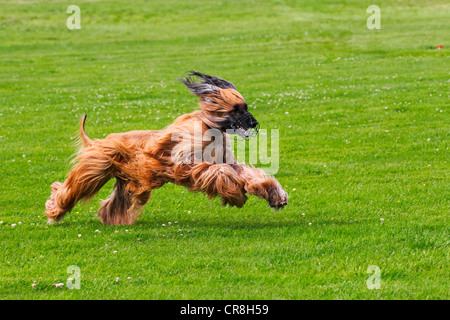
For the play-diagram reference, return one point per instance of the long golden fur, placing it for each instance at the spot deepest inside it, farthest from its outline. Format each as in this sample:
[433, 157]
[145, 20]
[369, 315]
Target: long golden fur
[141, 161]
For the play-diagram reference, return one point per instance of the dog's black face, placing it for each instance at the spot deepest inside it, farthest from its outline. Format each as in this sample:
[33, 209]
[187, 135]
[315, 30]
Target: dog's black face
[241, 121]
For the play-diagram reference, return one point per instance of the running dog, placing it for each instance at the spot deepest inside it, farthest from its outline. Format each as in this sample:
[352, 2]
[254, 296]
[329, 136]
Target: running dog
[141, 161]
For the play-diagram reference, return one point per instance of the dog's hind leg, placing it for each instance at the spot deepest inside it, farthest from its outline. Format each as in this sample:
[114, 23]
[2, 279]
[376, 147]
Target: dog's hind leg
[87, 177]
[122, 207]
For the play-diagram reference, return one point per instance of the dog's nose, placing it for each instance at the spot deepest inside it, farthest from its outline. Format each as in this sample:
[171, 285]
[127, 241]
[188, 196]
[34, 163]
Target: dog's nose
[253, 122]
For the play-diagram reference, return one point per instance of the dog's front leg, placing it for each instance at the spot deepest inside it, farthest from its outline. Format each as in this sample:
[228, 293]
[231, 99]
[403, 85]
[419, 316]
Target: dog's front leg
[258, 183]
[122, 207]
[219, 180]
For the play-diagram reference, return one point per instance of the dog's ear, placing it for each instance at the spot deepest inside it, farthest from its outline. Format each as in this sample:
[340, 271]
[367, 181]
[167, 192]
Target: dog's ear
[206, 85]
[221, 83]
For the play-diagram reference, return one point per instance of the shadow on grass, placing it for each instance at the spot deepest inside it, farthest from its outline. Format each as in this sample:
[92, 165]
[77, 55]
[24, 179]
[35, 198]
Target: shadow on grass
[231, 223]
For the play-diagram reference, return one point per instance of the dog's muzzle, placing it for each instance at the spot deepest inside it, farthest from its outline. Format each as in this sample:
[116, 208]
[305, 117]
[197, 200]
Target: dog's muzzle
[244, 125]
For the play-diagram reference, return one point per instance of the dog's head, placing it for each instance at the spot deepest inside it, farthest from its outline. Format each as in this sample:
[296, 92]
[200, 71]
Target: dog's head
[222, 104]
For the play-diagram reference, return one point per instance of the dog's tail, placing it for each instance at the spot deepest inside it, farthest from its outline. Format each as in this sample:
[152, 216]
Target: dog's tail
[85, 140]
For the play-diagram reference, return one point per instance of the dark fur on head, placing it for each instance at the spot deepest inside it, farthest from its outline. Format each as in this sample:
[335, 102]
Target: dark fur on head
[207, 85]
[223, 106]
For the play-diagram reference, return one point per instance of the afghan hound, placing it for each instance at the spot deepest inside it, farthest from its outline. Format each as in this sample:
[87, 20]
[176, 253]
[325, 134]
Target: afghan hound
[194, 151]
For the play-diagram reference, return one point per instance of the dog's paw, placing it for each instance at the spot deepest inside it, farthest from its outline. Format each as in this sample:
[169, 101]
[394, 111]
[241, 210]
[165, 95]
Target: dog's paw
[278, 199]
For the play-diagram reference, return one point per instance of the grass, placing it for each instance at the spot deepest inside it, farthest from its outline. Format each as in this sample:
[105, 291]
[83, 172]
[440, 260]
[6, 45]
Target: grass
[366, 137]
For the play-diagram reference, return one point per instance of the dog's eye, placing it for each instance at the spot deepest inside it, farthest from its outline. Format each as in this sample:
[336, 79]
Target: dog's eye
[235, 109]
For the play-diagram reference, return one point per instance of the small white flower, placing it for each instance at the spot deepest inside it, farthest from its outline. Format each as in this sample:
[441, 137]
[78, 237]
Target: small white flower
[310, 224]
[126, 230]
[382, 220]
[33, 285]
[20, 223]
[79, 236]
[189, 212]
[129, 278]
[1, 222]
[114, 251]
[98, 231]
[117, 279]
[163, 224]
[13, 225]
[59, 285]
[303, 214]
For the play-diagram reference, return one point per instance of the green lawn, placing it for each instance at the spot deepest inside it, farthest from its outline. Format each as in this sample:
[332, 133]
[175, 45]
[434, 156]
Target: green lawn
[366, 138]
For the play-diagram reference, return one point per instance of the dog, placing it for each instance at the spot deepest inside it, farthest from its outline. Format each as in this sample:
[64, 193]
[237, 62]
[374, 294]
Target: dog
[141, 161]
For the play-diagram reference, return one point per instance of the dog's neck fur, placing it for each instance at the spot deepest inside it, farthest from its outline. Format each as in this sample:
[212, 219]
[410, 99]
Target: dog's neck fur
[209, 120]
